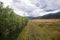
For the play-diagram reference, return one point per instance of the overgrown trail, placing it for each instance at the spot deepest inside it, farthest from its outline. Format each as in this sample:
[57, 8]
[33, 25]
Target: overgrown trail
[32, 33]
[29, 32]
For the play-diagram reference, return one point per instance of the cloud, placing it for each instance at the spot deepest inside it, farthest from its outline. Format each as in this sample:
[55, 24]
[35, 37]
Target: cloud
[29, 8]
[47, 4]
[33, 7]
[7, 2]
[19, 12]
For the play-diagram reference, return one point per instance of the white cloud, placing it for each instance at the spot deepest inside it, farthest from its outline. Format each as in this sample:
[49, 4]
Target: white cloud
[7, 2]
[28, 7]
[33, 7]
[21, 13]
[47, 4]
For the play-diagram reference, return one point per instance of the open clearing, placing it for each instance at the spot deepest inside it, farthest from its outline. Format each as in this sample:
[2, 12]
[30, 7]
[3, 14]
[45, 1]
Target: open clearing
[44, 29]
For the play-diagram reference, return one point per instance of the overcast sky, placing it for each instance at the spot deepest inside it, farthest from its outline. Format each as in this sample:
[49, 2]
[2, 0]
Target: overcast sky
[33, 7]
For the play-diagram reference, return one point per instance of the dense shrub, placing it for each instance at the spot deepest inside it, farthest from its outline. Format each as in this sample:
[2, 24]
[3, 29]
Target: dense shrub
[10, 24]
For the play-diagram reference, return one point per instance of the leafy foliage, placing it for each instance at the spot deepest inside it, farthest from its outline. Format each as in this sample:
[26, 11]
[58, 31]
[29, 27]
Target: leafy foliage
[10, 24]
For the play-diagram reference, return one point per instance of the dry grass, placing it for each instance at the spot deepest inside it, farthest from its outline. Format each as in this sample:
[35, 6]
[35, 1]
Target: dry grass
[46, 20]
[42, 30]
[47, 29]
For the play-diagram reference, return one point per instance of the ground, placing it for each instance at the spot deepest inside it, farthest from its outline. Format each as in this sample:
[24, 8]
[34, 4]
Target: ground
[44, 29]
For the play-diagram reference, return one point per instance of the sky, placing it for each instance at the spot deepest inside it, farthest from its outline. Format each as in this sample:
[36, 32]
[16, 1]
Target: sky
[33, 8]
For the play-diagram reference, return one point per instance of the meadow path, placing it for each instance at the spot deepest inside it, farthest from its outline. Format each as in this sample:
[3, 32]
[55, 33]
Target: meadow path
[32, 33]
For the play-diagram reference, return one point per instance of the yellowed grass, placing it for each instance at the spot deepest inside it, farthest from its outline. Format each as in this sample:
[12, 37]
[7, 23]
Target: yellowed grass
[46, 33]
[46, 20]
[43, 30]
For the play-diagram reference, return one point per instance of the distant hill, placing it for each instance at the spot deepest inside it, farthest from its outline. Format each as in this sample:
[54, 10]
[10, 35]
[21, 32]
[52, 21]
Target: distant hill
[48, 16]
[52, 16]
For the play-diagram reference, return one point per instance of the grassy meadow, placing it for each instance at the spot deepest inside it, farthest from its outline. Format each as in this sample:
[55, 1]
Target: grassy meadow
[48, 29]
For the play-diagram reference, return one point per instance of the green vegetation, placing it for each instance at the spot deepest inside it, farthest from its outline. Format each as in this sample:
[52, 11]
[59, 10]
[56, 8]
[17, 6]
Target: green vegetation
[11, 24]
[24, 34]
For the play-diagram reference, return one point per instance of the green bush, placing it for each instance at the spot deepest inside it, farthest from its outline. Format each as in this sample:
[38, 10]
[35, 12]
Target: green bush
[10, 24]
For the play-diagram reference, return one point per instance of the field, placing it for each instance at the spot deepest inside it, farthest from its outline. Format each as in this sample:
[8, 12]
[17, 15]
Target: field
[44, 29]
